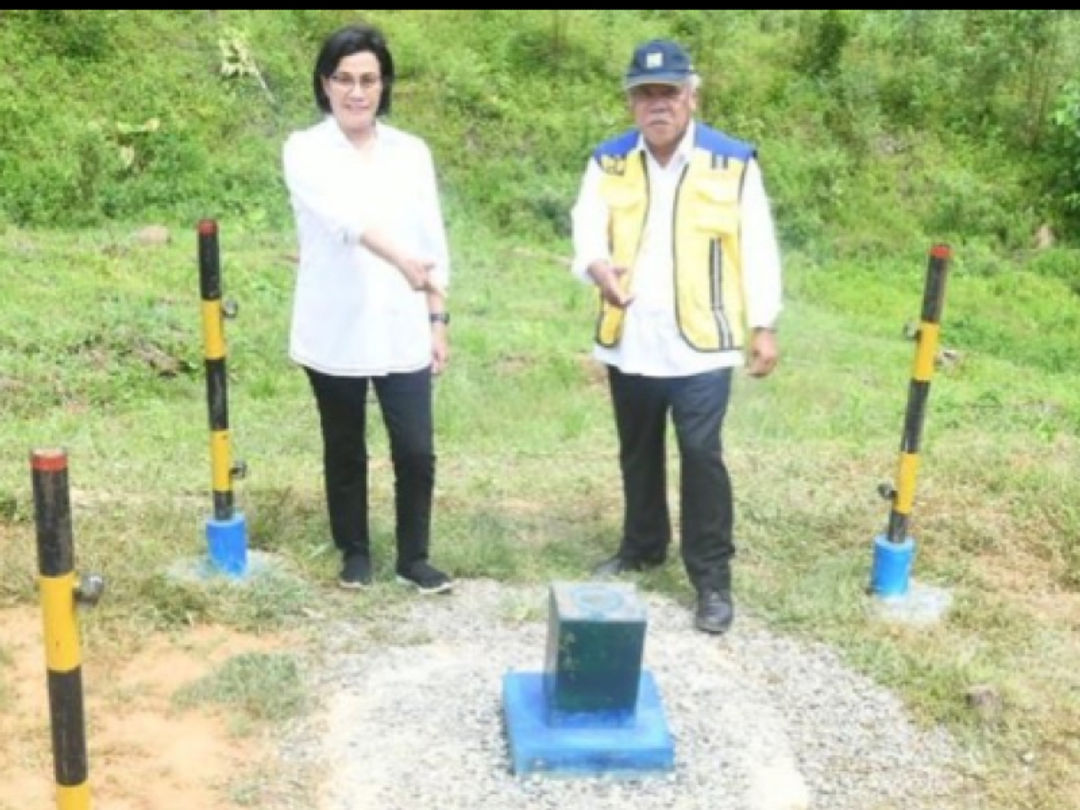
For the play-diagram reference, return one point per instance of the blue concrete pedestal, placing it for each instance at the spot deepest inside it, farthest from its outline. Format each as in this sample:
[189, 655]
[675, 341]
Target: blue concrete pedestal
[891, 568]
[226, 543]
[593, 710]
[584, 748]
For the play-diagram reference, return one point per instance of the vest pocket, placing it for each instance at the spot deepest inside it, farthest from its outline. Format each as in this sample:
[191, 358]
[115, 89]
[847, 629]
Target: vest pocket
[627, 206]
[716, 208]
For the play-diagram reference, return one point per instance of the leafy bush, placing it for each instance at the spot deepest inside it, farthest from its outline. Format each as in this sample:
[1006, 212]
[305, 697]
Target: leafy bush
[512, 103]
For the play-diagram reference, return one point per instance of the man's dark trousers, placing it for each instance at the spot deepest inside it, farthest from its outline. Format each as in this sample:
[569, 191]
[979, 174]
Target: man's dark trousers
[697, 404]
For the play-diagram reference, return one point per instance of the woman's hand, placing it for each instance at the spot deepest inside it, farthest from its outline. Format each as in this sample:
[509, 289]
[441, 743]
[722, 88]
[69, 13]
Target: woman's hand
[440, 347]
[418, 273]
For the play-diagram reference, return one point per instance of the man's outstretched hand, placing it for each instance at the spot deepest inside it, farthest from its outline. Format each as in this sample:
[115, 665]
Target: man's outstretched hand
[763, 353]
[610, 281]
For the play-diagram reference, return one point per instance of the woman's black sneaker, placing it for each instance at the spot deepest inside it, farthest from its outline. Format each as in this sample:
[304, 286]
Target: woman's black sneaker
[425, 578]
[356, 572]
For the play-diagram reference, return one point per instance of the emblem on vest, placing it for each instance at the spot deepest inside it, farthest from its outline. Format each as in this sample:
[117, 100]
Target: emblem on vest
[613, 164]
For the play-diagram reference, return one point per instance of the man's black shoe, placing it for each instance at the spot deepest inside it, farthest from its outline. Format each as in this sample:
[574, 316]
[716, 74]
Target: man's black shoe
[613, 566]
[714, 611]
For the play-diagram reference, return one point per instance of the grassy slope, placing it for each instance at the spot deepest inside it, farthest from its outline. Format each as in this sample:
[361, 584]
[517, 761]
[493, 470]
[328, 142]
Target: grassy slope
[100, 352]
[528, 485]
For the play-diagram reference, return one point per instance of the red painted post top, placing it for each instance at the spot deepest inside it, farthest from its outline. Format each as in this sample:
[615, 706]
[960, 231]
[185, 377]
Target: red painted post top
[49, 460]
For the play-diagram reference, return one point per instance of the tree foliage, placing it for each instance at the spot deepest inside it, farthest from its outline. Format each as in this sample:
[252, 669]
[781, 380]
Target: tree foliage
[876, 128]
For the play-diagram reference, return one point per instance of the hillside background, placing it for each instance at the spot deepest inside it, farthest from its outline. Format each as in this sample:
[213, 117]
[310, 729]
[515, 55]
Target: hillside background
[880, 133]
[877, 129]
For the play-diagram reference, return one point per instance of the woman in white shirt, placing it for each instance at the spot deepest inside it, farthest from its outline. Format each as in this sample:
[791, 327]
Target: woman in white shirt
[370, 297]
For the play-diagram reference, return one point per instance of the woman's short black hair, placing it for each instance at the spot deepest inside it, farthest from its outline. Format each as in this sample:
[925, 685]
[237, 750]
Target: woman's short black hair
[345, 42]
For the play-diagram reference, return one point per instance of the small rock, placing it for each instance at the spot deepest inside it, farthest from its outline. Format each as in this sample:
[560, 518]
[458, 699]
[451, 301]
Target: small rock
[1044, 237]
[153, 235]
[949, 358]
[985, 700]
[777, 785]
[163, 363]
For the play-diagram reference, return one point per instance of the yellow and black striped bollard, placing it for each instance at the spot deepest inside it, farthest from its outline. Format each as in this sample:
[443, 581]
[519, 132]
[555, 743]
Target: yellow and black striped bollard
[894, 549]
[226, 531]
[59, 596]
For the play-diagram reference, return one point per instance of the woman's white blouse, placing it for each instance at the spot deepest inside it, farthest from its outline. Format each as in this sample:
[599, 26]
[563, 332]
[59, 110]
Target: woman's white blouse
[354, 314]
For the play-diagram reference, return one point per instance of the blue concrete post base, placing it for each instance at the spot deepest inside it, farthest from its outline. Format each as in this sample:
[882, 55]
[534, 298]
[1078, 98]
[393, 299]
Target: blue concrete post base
[578, 748]
[892, 566]
[227, 544]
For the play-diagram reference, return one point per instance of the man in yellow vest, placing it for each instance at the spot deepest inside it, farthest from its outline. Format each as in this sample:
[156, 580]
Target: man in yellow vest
[672, 225]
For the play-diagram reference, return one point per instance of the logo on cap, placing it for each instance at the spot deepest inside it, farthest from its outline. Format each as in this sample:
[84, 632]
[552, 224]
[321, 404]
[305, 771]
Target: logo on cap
[658, 61]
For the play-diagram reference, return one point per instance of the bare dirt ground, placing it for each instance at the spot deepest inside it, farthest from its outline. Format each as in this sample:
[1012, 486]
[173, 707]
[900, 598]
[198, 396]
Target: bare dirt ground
[143, 752]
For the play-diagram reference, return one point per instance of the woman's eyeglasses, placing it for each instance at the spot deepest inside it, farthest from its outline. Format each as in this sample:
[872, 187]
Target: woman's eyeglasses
[346, 81]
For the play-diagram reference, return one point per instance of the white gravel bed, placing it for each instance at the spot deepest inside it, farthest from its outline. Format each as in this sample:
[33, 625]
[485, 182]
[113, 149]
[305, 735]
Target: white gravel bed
[410, 716]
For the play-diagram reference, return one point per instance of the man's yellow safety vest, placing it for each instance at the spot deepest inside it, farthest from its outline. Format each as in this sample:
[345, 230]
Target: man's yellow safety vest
[705, 248]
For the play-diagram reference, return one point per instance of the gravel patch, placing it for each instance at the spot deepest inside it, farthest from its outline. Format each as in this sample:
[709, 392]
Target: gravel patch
[410, 716]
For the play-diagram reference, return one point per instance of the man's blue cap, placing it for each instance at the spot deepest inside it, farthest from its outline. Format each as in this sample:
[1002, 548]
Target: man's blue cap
[658, 61]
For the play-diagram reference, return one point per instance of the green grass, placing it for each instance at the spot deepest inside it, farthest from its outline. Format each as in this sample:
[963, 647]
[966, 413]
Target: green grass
[528, 487]
[876, 128]
[253, 687]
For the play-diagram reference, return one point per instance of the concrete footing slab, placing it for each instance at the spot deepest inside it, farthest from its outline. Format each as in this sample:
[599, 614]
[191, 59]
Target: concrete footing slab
[616, 749]
[920, 604]
[204, 569]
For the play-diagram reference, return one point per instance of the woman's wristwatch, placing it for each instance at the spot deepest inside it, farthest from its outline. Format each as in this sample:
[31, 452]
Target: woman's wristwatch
[439, 317]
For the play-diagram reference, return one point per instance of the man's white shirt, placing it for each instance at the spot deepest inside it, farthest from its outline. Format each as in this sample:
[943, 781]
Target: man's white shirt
[651, 343]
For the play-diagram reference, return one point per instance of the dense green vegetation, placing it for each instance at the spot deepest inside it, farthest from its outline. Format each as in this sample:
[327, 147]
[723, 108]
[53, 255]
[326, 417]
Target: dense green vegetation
[910, 124]
[880, 133]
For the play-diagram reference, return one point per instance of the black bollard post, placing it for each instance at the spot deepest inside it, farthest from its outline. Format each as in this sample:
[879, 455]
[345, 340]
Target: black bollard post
[894, 549]
[226, 531]
[59, 595]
